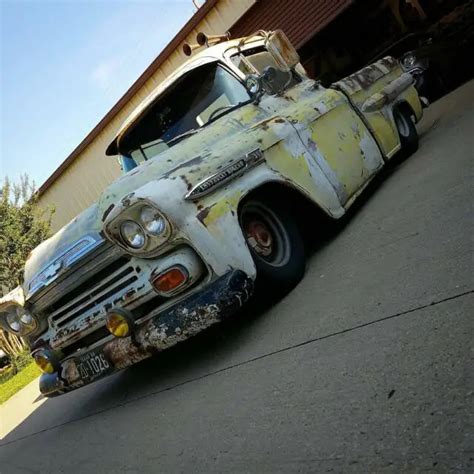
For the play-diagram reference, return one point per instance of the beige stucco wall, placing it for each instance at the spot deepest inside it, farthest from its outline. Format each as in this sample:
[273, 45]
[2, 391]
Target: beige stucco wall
[84, 180]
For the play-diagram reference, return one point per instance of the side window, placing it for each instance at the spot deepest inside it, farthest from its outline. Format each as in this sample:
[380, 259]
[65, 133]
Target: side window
[153, 148]
[254, 61]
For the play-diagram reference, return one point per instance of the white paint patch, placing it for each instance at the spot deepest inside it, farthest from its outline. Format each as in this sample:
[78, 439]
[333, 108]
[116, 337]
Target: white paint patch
[319, 165]
[372, 157]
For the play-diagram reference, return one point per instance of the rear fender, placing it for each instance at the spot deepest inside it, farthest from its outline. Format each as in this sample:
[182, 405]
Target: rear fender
[374, 91]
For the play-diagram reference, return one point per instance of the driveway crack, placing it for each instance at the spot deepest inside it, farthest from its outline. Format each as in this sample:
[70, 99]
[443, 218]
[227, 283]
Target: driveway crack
[245, 362]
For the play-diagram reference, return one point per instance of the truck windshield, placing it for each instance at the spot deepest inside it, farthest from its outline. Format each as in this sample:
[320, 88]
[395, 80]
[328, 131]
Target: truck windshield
[201, 96]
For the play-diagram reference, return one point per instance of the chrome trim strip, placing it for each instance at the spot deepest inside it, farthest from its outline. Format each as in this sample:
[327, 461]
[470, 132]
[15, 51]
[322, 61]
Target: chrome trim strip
[230, 172]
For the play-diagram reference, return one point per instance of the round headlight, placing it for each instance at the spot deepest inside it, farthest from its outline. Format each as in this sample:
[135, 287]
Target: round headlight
[13, 321]
[27, 319]
[152, 220]
[132, 234]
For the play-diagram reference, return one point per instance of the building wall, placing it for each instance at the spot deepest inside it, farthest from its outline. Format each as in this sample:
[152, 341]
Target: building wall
[82, 182]
[299, 19]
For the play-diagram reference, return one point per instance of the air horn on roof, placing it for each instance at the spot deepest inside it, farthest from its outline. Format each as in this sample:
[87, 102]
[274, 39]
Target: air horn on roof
[204, 40]
[189, 48]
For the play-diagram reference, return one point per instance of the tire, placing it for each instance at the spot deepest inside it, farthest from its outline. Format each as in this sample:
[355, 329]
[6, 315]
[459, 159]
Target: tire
[275, 243]
[406, 130]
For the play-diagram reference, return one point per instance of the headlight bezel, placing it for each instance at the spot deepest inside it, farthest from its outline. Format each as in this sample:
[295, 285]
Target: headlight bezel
[153, 241]
[14, 314]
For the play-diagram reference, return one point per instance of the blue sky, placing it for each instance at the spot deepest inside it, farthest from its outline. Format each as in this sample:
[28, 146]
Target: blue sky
[64, 64]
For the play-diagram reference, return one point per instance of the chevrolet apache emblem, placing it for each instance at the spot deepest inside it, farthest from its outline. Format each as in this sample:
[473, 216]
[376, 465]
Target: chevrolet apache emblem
[226, 174]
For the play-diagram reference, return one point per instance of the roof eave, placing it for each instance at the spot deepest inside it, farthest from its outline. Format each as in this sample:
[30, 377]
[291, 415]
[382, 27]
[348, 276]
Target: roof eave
[132, 90]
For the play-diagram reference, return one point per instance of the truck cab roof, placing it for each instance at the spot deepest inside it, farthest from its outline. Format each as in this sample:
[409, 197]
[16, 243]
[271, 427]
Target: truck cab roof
[218, 52]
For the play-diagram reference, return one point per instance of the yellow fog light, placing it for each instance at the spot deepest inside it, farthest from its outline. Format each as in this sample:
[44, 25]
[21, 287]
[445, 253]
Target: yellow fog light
[119, 322]
[46, 361]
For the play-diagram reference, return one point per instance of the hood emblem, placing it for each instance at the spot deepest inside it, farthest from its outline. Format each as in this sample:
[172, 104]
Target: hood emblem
[232, 171]
[53, 269]
[64, 261]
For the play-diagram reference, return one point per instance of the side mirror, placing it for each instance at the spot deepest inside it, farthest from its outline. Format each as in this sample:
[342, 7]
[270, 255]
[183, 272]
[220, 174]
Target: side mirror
[272, 81]
[282, 51]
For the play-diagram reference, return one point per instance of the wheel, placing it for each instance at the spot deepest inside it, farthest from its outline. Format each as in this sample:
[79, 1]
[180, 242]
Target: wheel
[404, 120]
[275, 243]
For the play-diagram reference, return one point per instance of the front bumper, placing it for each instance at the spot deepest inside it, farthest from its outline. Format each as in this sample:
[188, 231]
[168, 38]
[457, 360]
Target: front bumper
[214, 303]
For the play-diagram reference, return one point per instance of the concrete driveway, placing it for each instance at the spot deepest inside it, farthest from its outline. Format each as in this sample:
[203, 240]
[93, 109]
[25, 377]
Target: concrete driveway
[367, 366]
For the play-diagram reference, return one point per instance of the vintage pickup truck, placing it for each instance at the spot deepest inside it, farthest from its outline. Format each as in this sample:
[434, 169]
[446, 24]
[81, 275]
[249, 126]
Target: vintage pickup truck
[215, 161]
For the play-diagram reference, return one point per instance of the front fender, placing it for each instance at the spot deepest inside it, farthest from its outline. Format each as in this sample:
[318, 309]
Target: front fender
[210, 222]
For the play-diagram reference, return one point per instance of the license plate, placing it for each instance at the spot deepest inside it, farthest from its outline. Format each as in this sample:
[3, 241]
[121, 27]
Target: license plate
[92, 365]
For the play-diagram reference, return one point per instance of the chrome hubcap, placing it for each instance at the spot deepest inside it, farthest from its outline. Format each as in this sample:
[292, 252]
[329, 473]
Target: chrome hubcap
[402, 126]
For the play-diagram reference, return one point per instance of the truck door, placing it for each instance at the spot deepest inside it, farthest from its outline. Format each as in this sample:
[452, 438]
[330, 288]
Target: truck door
[338, 140]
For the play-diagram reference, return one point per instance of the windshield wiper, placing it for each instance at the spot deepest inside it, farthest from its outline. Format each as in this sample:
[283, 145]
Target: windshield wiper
[179, 137]
[225, 110]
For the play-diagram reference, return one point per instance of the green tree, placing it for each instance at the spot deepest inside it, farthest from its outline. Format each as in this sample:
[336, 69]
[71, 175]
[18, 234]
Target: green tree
[22, 227]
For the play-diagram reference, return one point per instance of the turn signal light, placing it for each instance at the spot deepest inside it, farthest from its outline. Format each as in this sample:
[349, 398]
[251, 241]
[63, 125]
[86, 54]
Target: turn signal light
[119, 322]
[170, 280]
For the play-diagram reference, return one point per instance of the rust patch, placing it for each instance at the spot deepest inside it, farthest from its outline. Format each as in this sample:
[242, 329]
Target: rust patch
[122, 352]
[189, 185]
[186, 164]
[39, 343]
[129, 294]
[127, 200]
[70, 372]
[312, 147]
[288, 97]
[389, 62]
[204, 213]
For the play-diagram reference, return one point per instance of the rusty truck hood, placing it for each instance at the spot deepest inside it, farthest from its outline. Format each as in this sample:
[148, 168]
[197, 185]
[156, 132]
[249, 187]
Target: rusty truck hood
[54, 256]
[191, 160]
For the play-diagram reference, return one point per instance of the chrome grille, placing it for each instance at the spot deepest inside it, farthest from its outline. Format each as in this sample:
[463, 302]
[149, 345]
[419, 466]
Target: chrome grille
[100, 291]
[46, 299]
